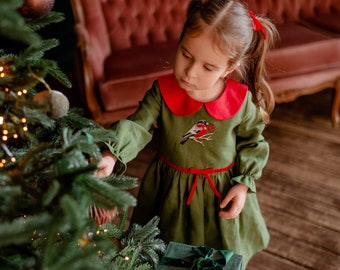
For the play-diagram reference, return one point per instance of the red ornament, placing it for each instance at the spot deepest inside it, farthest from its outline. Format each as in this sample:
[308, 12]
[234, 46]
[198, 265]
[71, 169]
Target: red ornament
[102, 216]
[36, 8]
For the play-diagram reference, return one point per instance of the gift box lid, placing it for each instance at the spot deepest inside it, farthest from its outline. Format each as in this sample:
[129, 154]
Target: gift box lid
[178, 256]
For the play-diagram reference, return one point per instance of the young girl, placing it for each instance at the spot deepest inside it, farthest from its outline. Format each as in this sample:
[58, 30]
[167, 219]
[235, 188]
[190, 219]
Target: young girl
[211, 149]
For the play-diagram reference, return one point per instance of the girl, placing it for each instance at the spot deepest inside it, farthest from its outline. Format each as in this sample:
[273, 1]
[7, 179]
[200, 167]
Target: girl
[211, 149]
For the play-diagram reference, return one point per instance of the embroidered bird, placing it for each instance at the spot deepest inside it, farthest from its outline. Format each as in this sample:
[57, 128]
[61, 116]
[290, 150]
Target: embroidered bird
[201, 130]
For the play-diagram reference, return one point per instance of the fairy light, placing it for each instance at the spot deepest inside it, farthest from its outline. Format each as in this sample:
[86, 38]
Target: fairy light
[1, 120]
[25, 128]
[2, 74]
[23, 120]
[19, 93]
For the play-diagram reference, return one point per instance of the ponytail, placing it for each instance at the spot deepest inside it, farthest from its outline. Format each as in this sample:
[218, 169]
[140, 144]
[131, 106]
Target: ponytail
[255, 72]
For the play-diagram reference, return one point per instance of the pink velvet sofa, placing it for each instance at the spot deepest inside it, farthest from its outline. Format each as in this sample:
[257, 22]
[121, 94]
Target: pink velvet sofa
[126, 44]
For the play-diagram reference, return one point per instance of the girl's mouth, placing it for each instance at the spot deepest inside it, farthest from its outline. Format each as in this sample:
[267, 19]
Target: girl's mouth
[186, 83]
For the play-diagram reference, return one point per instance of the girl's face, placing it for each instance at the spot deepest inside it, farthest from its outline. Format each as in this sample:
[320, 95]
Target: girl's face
[200, 67]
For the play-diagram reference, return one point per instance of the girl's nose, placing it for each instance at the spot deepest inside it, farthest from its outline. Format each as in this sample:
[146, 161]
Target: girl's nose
[191, 71]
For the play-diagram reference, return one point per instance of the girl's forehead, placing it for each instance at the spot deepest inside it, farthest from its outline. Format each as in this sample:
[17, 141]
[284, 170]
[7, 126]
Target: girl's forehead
[203, 45]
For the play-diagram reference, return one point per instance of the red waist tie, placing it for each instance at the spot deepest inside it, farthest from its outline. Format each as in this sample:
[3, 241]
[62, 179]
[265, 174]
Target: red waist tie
[197, 172]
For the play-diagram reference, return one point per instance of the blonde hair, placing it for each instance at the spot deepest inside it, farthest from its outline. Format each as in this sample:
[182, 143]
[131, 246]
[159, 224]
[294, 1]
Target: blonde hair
[233, 31]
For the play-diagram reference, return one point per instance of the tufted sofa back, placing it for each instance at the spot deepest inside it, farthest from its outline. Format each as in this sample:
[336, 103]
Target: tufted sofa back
[141, 22]
[293, 10]
[113, 25]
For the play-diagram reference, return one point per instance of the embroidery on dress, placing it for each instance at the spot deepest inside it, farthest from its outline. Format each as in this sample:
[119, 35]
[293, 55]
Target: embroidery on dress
[201, 130]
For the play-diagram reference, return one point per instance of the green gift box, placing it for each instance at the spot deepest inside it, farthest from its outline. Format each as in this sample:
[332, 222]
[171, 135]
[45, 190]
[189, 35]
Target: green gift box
[179, 256]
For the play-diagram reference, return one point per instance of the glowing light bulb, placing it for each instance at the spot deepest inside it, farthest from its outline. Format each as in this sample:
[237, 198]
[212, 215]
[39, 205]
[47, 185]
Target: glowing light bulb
[1, 120]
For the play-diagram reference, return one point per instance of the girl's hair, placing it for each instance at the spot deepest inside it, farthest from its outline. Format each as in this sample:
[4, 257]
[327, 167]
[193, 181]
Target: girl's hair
[232, 28]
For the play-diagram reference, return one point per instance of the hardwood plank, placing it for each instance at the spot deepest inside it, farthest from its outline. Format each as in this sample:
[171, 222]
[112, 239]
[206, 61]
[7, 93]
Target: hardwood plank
[297, 206]
[301, 253]
[300, 187]
[267, 261]
[302, 229]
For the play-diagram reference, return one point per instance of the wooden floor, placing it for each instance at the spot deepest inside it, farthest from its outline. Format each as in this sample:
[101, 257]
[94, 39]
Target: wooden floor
[299, 192]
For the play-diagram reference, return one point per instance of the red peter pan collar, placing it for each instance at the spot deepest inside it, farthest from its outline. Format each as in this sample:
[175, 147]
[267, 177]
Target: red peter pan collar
[181, 104]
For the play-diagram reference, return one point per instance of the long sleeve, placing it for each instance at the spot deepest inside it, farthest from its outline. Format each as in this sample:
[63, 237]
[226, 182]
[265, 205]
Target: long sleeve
[135, 132]
[252, 149]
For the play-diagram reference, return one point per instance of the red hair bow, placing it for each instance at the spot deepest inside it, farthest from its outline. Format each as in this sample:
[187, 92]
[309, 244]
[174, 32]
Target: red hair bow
[257, 25]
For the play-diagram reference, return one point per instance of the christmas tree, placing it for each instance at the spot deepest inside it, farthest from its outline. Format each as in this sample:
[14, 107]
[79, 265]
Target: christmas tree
[54, 212]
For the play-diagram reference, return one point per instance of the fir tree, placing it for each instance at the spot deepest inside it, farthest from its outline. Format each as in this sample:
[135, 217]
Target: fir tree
[48, 158]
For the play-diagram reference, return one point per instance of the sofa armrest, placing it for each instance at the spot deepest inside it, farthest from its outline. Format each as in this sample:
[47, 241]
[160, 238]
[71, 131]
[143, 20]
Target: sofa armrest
[86, 71]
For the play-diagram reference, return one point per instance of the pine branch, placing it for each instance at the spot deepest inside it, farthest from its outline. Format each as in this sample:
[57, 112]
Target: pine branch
[19, 230]
[36, 24]
[145, 237]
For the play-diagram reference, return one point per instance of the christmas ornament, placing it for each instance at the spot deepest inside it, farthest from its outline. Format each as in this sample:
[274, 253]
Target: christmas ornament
[36, 8]
[57, 104]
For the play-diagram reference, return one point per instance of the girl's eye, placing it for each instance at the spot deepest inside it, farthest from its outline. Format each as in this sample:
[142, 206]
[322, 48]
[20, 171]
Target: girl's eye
[186, 55]
[207, 68]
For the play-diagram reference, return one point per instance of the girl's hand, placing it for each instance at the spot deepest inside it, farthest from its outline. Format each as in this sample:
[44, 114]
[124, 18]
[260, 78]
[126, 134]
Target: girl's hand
[106, 164]
[237, 198]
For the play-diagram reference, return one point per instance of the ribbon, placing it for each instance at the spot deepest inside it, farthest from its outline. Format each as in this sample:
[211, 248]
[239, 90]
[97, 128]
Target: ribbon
[197, 172]
[203, 258]
[257, 25]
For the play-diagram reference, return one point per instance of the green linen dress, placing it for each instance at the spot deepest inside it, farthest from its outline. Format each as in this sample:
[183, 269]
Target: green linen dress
[197, 141]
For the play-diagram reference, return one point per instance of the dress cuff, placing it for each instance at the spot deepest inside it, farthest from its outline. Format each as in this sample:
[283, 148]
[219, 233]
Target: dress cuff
[247, 180]
[120, 166]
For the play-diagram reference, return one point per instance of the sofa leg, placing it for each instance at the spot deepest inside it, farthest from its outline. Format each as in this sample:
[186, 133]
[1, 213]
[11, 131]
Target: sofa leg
[336, 104]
